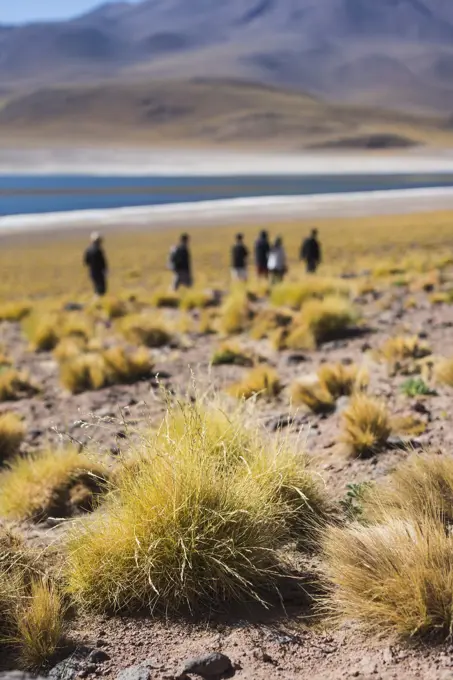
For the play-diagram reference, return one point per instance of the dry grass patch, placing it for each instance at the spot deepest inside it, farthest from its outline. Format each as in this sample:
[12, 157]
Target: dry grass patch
[14, 311]
[341, 380]
[366, 425]
[15, 385]
[145, 329]
[12, 434]
[235, 313]
[94, 370]
[50, 483]
[402, 354]
[296, 293]
[443, 372]
[321, 321]
[165, 299]
[267, 321]
[262, 381]
[393, 577]
[194, 526]
[195, 299]
[232, 355]
[313, 395]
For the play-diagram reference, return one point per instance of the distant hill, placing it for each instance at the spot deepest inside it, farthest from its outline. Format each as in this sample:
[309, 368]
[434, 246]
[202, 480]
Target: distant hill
[395, 53]
[206, 112]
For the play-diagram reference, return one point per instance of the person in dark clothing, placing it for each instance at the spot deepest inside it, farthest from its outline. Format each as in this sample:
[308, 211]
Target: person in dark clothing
[239, 259]
[181, 263]
[310, 252]
[96, 262]
[262, 249]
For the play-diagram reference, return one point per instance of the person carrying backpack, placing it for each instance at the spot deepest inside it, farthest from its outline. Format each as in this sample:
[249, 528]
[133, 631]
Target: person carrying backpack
[96, 262]
[181, 263]
[310, 252]
[239, 259]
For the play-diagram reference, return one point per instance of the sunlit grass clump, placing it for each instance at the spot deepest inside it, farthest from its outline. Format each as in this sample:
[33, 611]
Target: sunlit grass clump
[321, 321]
[50, 483]
[342, 380]
[31, 608]
[235, 313]
[15, 385]
[97, 369]
[366, 425]
[262, 381]
[145, 329]
[314, 395]
[194, 298]
[295, 293]
[12, 434]
[45, 330]
[401, 353]
[194, 526]
[269, 320]
[443, 372]
[233, 355]
[14, 311]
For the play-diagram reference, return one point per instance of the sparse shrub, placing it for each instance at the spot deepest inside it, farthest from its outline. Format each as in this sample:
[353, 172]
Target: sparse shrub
[12, 434]
[15, 385]
[14, 311]
[401, 354]
[194, 526]
[321, 321]
[261, 381]
[39, 624]
[294, 294]
[443, 372]
[392, 577]
[233, 355]
[50, 483]
[352, 503]
[341, 380]
[366, 425]
[95, 370]
[313, 395]
[415, 387]
[235, 313]
[148, 330]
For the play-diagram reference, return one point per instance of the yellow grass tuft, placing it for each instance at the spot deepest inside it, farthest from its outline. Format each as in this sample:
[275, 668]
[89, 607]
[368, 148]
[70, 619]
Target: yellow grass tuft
[262, 381]
[443, 372]
[165, 298]
[15, 385]
[195, 525]
[14, 311]
[321, 321]
[393, 577]
[233, 355]
[145, 329]
[313, 395]
[39, 624]
[95, 370]
[401, 353]
[191, 298]
[294, 294]
[114, 307]
[50, 483]
[235, 313]
[341, 380]
[12, 434]
[366, 425]
[267, 321]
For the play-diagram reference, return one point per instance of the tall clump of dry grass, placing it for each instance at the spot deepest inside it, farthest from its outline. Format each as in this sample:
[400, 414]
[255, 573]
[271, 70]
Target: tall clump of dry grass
[332, 382]
[321, 321]
[15, 385]
[14, 311]
[262, 381]
[31, 608]
[366, 425]
[193, 526]
[145, 329]
[12, 434]
[443, 372]
[402, 353]
[296, 293]
[50, 483]
[394, 571]
[235, 313]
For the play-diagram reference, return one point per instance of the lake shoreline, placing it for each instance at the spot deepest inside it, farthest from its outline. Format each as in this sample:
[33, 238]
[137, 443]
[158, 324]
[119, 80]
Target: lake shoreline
[231, 211]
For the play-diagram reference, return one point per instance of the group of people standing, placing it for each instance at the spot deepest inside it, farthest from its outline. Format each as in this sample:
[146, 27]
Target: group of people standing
[270, 260]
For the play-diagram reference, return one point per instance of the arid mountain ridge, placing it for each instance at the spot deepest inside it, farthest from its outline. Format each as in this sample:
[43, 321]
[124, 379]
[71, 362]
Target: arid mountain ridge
[394, 53]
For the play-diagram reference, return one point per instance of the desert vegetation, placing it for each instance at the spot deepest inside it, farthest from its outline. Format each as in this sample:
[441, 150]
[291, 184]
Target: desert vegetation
[186, 454]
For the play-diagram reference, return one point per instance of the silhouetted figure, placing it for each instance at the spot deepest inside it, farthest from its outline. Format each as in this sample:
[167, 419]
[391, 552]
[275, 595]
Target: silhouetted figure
[276, 263]
[262, 249]
[239, 259]
[310, 252]
[181, 263]
[96, 262]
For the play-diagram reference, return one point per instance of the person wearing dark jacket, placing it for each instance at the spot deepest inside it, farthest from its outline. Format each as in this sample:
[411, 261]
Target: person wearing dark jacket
[96, 262]
[310, 252]
[239, 259]
[262, 249]
[181, 263]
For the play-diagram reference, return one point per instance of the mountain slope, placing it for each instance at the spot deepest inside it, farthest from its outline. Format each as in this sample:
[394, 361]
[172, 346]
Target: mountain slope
[395, 51]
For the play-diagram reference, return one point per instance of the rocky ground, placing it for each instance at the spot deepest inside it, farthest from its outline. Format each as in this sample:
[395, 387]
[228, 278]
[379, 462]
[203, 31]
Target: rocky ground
[286, 642]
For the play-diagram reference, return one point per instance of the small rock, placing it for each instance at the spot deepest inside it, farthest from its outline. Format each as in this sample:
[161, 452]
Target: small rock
[100, 642]
[67, 669]
[296, 359]
[139, 672]
[208, 666]
[396, 443]
[98, 656]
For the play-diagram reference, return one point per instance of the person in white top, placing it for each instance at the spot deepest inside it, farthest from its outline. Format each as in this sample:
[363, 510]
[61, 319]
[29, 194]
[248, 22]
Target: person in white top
[277, 264]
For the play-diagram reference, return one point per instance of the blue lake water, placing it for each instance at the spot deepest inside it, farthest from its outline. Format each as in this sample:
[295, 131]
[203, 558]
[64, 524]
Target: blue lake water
[27, 194]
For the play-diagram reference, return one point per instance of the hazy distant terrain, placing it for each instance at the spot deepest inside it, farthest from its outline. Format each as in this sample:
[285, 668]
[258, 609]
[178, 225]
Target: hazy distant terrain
[397, 53]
